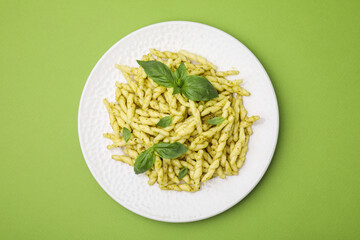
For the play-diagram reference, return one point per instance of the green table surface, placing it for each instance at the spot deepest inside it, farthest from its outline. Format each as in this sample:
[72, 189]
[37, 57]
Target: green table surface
[311, 51]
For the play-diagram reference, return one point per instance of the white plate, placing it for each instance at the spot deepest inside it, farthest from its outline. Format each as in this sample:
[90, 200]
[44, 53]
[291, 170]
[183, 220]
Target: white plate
[119, 180]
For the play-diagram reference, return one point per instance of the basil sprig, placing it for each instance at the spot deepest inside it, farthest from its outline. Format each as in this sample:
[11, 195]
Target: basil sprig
[216, 120]
[146, 159]
[164, 122]
[196, 88]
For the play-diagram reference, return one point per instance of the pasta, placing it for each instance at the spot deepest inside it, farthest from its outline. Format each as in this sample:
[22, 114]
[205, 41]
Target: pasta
[213, 150]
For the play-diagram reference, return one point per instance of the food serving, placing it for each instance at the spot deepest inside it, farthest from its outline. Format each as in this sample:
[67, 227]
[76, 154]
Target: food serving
[179, 120]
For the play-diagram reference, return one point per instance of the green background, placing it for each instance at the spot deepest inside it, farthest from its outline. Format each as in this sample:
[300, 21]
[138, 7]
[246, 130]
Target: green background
[311, 51]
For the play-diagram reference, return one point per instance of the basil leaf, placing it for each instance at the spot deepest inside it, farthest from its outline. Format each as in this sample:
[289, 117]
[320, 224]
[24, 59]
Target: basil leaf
[216, 120]
[183, 173]
[144, 161]
[158, 72]
[126, 134]
[180, 74]
[164, 122]
[176, 90]
[170, 150]
[198, 88]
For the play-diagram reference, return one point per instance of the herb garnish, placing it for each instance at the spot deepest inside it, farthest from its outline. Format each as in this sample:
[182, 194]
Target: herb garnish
[164, 122]
[146, 159]
[126, 134]
[216, 120]
[196, 88]
[183, 172]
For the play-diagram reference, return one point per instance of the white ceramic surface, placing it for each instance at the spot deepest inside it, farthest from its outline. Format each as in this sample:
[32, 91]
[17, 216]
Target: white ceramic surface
[119, 180]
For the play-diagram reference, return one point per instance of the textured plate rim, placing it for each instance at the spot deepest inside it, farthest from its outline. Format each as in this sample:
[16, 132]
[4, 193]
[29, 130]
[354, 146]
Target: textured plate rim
[255, 183]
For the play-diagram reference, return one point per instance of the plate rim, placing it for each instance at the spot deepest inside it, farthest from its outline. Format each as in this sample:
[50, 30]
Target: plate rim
[255, 183]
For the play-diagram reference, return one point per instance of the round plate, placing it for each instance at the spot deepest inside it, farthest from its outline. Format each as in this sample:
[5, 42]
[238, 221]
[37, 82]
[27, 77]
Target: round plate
[118, 179]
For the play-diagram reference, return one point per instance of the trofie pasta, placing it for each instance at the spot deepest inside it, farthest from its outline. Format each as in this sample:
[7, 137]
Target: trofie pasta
[174, 131]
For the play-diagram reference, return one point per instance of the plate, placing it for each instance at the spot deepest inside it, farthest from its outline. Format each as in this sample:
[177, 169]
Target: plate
[118, 179]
